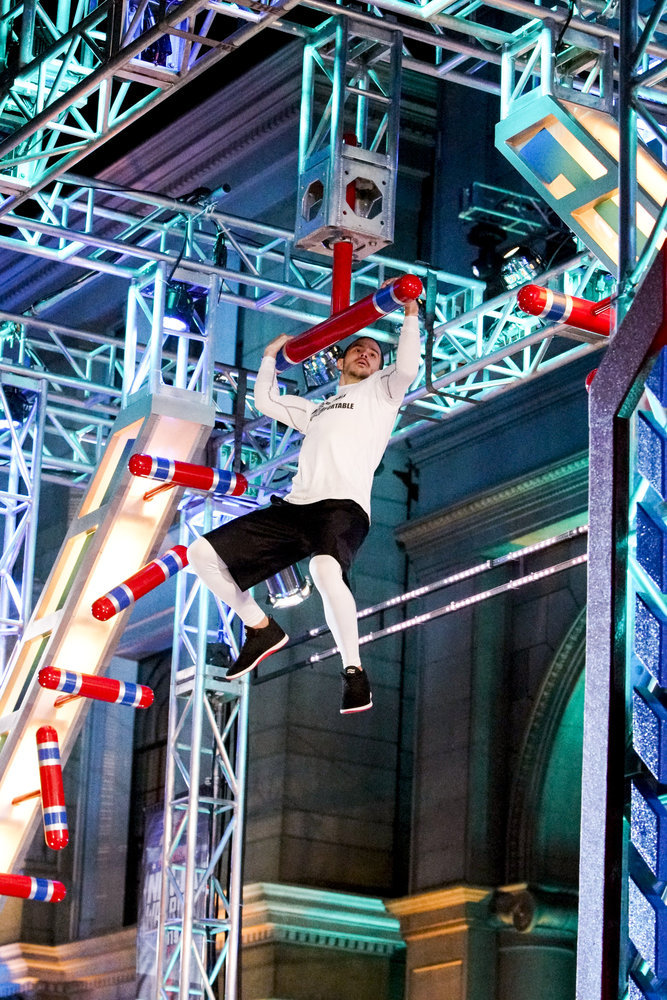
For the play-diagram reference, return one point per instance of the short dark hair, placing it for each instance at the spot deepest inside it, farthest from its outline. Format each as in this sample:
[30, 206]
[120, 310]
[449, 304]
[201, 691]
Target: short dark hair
[365, 337]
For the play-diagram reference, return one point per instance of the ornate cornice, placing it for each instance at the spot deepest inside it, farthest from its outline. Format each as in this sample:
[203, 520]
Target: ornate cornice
[80, 967]
[319, 918]
[521, 506]
[442, 913]
[438, 899]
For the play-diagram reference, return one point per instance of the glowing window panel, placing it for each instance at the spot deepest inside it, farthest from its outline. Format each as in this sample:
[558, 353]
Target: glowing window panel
[119, 446]
[599, 219]
[651, 175]
[59, 585]
[31, 653]
[558, 158]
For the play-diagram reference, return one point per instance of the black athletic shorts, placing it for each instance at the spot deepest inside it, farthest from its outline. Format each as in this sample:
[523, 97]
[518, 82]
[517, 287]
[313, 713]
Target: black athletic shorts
[266, 541]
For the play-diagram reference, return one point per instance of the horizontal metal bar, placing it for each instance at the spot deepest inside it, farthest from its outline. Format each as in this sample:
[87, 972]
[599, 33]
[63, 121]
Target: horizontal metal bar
[453, 578]
[430, 616]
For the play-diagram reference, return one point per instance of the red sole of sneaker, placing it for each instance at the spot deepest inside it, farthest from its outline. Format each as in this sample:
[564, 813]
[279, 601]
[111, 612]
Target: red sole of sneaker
[268, 652]
[351, 711]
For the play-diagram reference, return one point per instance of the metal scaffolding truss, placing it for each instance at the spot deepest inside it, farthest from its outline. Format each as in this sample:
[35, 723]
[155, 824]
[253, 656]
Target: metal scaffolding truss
[125, 233]
[641, 100]
[200, 924]
[624, 77]
[489, 350]
[22, 417]
[77, 78]
[479, 347]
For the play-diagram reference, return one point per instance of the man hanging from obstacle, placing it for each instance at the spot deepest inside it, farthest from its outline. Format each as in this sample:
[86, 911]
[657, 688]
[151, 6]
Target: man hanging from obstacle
[326, 514]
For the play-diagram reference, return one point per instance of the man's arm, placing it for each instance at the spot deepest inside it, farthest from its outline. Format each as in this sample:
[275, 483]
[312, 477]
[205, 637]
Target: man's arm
[403, 372]
[291, 410]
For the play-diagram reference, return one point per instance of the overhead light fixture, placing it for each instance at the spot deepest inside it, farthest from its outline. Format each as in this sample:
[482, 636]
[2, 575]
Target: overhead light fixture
[487, 238]
[288, 588]
[486, 266]
[504, 262]
[178, 308]
[523, 262]
[18, 397]
[520, 264]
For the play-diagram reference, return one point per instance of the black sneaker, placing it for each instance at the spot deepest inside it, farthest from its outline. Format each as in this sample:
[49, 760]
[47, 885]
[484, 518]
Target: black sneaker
[357, 695]
[259, 643]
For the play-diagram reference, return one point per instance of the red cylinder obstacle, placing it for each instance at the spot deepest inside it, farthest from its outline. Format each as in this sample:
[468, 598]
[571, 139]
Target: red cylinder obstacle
[99, 688]
[26, 887]
[219, 482]
[341, 275]
[54, 814]
[361, 314]
[595, 317]
[144, 580]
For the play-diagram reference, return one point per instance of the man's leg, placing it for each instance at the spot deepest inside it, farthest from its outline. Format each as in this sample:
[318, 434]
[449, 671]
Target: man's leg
[263, 635]
[340, 612]
[212, 571]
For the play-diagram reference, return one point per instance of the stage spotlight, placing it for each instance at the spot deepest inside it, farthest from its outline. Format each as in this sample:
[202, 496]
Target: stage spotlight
[288, 588]
[486, 238]
[19, 405]
[178, 308]
[18, 398]
[520, 264]
[321, 368]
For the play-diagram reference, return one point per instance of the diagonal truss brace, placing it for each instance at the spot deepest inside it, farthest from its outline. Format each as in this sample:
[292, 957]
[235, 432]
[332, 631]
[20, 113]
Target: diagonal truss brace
[98, 76]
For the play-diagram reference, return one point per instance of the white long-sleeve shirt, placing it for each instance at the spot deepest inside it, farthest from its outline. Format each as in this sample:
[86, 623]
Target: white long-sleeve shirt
[345, 436]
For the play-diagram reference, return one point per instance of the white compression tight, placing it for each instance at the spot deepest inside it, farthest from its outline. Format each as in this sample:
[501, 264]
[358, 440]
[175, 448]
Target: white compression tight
[339, 607]
[340, 611]
[213, 572]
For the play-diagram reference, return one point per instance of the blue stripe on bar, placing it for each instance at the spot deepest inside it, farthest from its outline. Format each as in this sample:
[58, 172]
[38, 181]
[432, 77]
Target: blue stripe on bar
[384, 300]
[55, 817]
[121, 596]
[69, 682]
[170, 563]
[162, 468]
[128, 694]
[222, 486]
[41, 889]
[556, 312]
